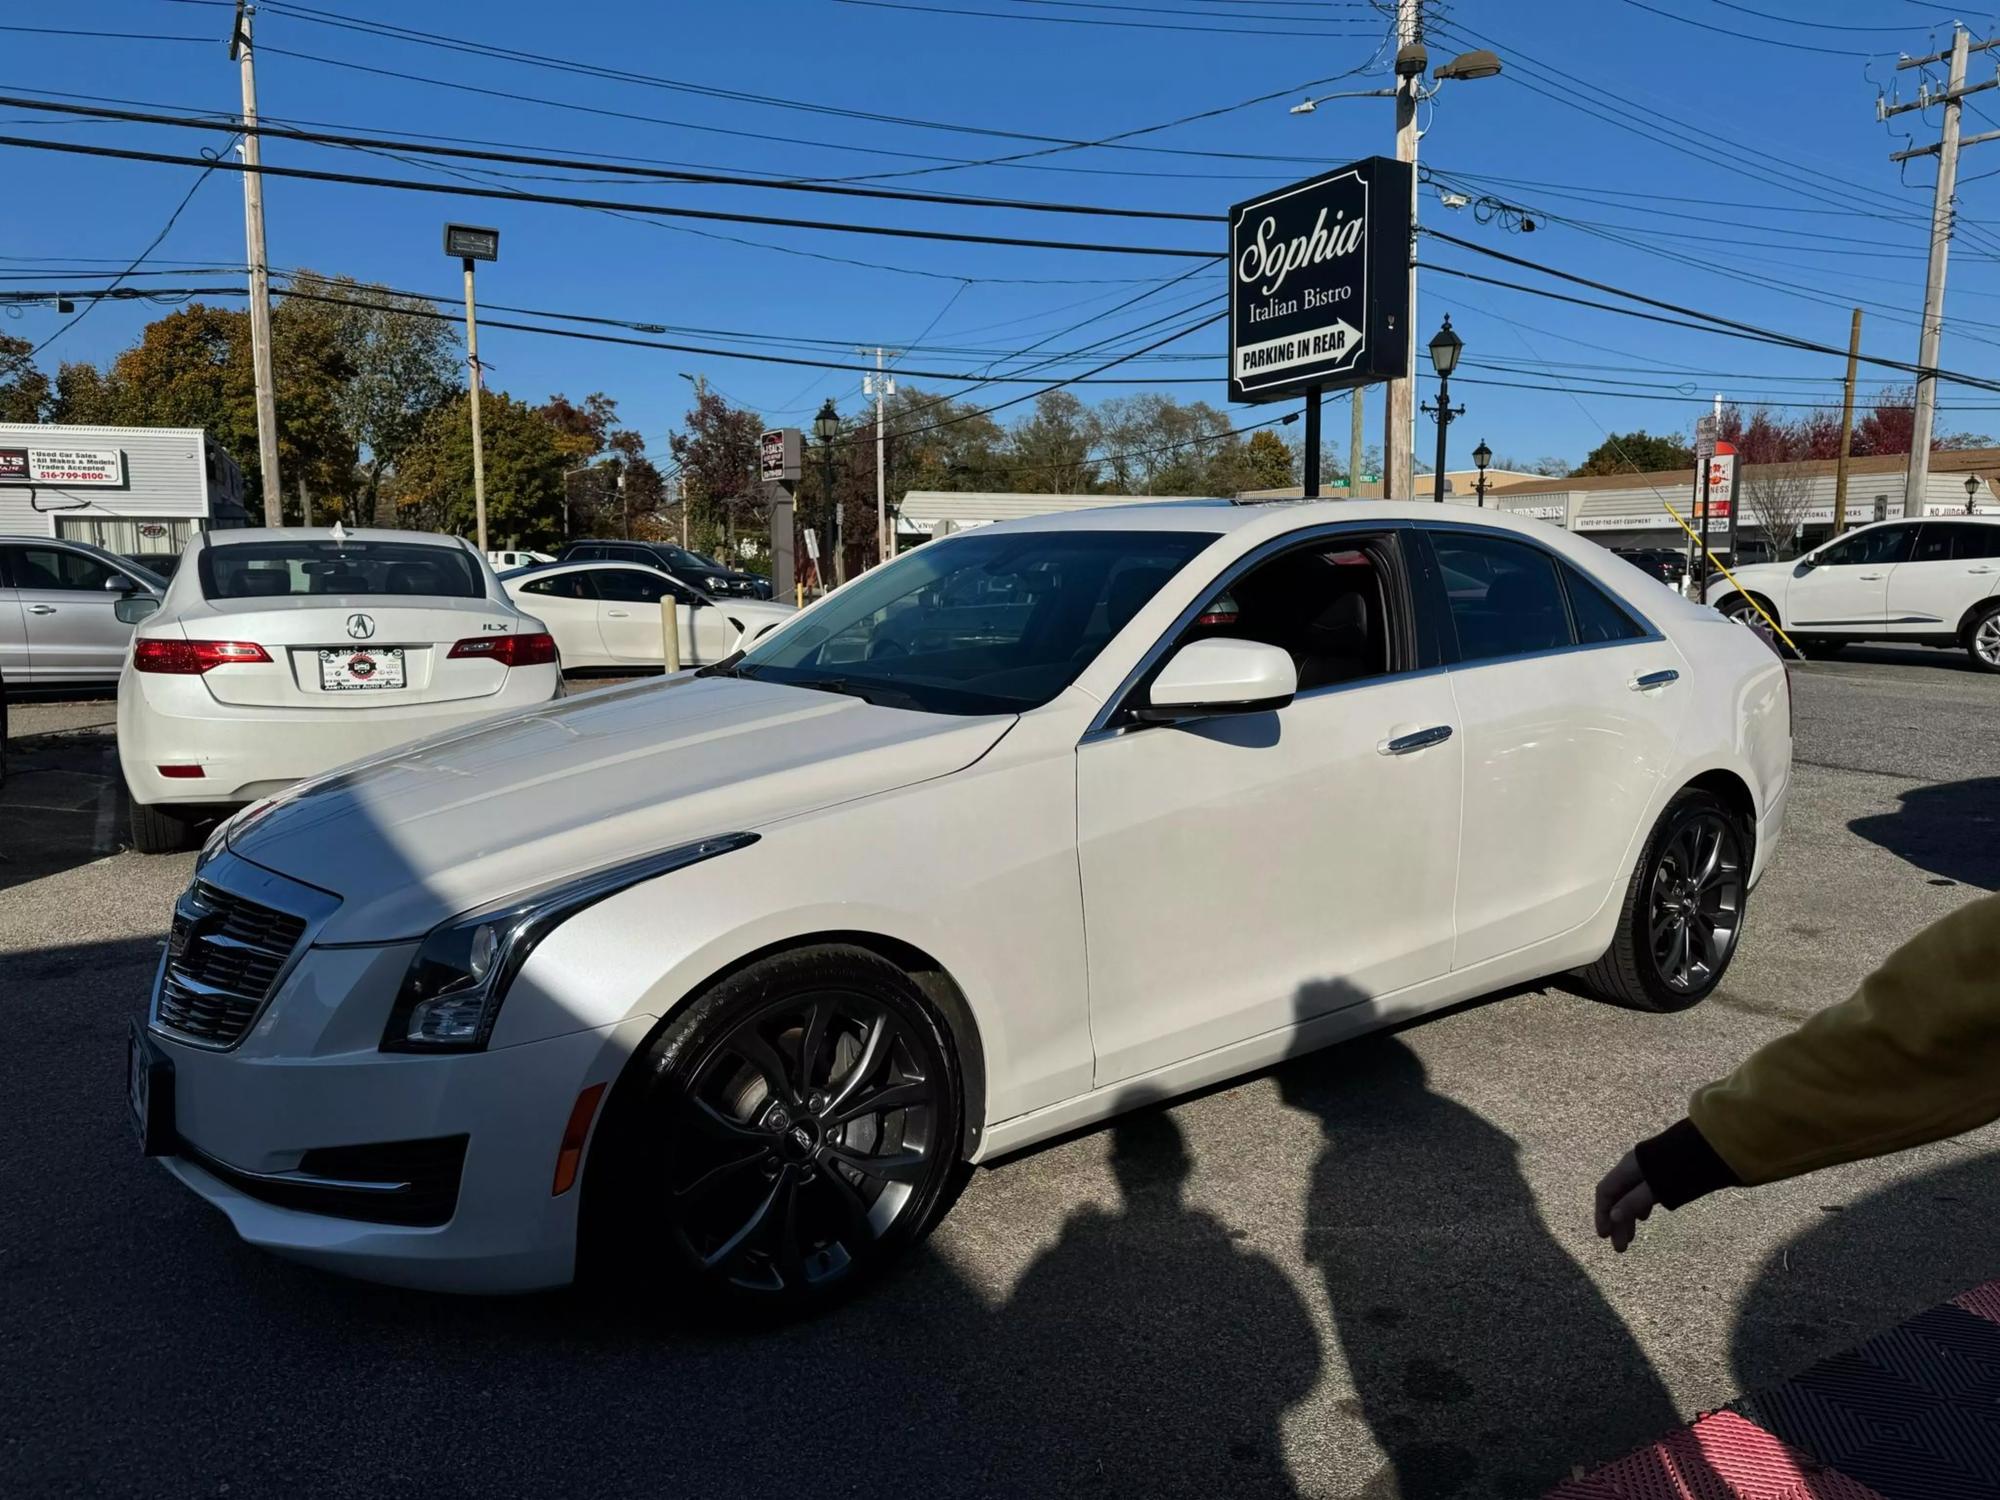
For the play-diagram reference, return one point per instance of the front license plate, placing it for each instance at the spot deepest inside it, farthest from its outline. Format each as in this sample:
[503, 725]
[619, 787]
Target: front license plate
[149, 1092]
[361, 671]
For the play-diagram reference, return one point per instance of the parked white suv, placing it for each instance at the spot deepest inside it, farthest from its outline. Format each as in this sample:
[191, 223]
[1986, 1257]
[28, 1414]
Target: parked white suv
[1934, 582]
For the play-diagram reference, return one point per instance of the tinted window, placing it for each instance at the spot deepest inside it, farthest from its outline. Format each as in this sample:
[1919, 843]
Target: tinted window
[1961, 541]
[1504, 597]
[56, 568]
[631, 586]
[1596, 617]
[1328, 606]
[290, 568]
[980, 623]
[1878, 544]
[562, 586]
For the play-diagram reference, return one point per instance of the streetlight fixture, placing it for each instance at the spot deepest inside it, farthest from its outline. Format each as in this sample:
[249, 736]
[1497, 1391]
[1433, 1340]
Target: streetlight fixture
[1482, 456]
[1972, 494]
[1446, 346]
[826, 427]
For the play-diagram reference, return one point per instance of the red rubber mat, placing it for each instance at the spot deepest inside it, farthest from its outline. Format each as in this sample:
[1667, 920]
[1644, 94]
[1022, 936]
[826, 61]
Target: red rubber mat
[1912, 1414]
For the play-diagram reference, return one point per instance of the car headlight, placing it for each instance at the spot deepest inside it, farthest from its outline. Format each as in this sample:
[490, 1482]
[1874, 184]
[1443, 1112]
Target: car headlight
[452, 991]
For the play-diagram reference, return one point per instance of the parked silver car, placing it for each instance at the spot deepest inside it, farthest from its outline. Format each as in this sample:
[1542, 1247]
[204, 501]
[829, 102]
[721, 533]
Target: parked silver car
[57, 610]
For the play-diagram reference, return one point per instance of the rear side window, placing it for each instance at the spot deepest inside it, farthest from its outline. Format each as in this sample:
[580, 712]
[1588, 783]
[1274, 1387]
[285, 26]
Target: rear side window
[1596, 616]
[293, 568]
[562, 586]
[1957, 541]
[1504, 596]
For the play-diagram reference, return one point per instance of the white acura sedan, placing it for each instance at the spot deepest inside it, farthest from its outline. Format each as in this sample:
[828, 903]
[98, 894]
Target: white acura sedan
[276, 655]
[607, 614]
[722, 980]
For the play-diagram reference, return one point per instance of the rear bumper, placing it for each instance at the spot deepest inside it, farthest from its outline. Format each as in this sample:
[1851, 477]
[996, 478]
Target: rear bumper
[248, 752]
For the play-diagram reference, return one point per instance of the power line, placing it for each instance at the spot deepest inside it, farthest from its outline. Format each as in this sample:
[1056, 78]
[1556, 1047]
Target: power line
[1801, 21]
[560, 200]
[1006, 15]
[109, 36]
[1744, 36]
[617, 169]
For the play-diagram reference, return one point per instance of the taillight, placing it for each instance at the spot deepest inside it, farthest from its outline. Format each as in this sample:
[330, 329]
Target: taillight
[536, 649]
[191, 658]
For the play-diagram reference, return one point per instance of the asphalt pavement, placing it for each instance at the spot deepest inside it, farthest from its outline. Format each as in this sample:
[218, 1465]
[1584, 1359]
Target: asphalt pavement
[1368, 1272]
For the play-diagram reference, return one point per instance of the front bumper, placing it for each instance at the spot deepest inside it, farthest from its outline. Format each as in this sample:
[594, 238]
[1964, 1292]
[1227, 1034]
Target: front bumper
[250, 752]
[309, 1076]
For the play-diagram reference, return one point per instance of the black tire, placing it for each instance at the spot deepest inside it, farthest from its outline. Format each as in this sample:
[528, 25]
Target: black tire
[778, 1196]
[157, 831]
[1822, 649]
[1645, 968]
[1739, 607]
[1982, 638]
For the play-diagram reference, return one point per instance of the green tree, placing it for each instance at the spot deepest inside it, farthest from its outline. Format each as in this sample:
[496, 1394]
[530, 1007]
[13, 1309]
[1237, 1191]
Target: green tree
[398, 365]
[1054, 445]
[24, 389]
[83, 395]
[524, 466]
[1640, 451]
[1267, 460]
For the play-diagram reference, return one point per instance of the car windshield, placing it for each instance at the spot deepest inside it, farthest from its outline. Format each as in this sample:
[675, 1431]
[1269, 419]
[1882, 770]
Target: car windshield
[293, 567]
[680, 557]
[976, 624]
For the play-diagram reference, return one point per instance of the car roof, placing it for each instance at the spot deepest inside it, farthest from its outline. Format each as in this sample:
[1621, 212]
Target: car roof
[580, 565]
[1223, 516]
[239, 535]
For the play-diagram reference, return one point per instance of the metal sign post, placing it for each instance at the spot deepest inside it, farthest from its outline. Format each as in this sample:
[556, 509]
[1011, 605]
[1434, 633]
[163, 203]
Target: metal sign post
[471, 243]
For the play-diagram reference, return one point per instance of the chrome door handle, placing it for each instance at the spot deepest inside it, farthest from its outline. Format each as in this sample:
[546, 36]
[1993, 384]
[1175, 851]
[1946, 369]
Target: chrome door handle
[617, 614]
[1870, 577]
[1421, 739]
[41, 609]
[1647, 681]
[1979, 570]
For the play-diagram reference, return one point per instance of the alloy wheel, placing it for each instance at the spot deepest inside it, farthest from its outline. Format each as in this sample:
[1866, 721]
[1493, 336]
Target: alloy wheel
[1695, 912]
[1986, 640]
[811, 1126]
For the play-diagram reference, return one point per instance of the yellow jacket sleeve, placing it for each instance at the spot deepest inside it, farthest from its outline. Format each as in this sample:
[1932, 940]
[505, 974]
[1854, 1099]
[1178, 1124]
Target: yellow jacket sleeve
[1912, 1056]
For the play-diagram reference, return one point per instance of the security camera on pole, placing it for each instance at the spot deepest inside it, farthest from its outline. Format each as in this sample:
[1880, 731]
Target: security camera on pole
[471, 243]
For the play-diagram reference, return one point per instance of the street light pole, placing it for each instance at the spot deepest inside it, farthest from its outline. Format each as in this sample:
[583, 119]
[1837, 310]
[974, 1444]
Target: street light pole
[1482, 456]
[1446, 346]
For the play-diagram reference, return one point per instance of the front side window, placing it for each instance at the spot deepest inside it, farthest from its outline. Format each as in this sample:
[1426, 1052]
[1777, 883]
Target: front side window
[292, 568]
[977, 623]
[59, 568]
[1877, 546]
[1326, 604]
[632, 586]
[1504, 596]
[562, 586]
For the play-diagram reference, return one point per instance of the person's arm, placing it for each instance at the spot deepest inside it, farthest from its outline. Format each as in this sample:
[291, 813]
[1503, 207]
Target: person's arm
[1912, 1056]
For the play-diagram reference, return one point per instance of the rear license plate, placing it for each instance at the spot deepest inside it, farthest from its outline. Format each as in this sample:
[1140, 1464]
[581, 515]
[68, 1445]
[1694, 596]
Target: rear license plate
[149, 1092]
[361, 671]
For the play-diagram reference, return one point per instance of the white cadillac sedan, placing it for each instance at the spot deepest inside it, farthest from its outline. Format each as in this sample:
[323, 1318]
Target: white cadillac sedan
[607, 614]
[720, 981]
[277, 655]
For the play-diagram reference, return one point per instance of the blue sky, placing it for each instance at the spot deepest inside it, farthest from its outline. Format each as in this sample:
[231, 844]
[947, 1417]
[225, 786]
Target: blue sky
[1782, 210]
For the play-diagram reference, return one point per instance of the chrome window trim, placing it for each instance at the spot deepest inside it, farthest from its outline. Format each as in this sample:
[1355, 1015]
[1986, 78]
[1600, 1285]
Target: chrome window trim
[239, 877]
[1100, 726]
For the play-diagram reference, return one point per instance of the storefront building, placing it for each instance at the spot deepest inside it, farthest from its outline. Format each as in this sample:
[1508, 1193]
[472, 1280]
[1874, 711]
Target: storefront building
[137, 491]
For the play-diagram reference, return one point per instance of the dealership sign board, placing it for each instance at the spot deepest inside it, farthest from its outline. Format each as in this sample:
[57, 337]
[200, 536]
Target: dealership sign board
[778, 455]
[1319, 283]
[70, 467]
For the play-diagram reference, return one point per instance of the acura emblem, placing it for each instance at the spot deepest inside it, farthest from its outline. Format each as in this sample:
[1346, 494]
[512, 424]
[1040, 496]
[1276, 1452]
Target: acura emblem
[360, 627]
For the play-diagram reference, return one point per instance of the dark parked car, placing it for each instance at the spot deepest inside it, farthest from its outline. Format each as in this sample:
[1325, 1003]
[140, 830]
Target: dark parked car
[704, 573]
[1649, 562]
[160, 564]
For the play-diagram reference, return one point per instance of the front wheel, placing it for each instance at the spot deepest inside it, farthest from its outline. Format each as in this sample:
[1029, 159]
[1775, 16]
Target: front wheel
[1683, 909]
[788, 1137]
[1982, 639]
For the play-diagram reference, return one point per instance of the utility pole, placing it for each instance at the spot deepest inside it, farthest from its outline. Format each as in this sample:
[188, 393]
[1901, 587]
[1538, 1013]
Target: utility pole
[478, 443]
[1399, 458]
[1354, 440]
[1917, 475]
[242, 54]
[1309, 465]
[1846, 427]
[880, 386]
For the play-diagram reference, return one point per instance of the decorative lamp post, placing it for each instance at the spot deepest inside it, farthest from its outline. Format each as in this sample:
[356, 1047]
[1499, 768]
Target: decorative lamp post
[1972, 494]
[826, 427]
[1482, 456]
[1446, 346]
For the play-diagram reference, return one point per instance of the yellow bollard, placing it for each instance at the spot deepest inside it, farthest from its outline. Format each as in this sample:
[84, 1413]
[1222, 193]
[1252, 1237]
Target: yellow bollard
[670, 633]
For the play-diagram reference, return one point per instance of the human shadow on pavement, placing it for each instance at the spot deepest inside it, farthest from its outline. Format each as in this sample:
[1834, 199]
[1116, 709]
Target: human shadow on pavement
[1484, 1359]
[1148, 1350]
[1865, 1266]
[1951, 829]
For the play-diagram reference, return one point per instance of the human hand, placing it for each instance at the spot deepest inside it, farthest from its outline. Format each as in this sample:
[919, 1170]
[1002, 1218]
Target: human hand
[1624, 1198]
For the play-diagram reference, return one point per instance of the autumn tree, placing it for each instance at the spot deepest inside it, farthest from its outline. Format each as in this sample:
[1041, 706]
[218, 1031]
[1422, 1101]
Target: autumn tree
[24, 389]
[433, 488]
[1267, 461]
[716, 453]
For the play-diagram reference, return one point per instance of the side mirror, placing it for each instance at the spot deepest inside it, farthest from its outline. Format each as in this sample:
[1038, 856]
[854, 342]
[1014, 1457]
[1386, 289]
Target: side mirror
[135, 607]
[118, 583]
[1206, 678]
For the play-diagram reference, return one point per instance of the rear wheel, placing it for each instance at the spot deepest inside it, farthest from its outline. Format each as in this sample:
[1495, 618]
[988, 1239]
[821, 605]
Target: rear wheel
[155, 830]
[1982, 639]
[1683, 909]
[788, 1137]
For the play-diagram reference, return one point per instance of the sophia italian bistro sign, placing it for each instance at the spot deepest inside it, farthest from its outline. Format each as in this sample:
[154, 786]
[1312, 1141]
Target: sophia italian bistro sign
[1319, 283]
[65, 466]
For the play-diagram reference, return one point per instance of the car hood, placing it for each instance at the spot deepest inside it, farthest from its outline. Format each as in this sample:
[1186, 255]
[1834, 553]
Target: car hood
[432, 829]
[1768, 578]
